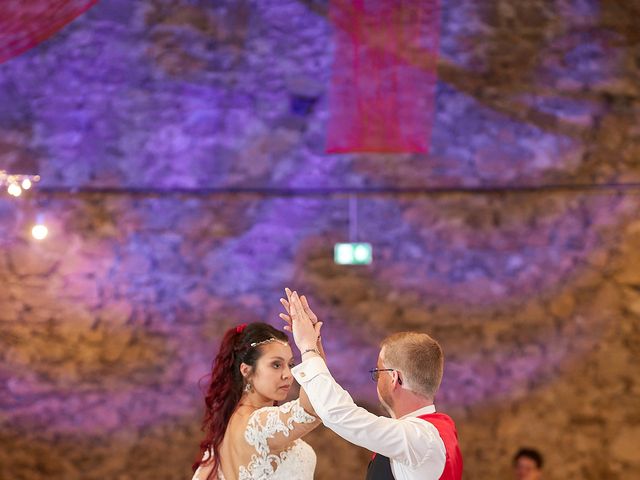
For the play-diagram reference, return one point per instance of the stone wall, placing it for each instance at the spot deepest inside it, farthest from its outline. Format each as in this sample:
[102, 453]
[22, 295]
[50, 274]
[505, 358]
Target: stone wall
[139, 111]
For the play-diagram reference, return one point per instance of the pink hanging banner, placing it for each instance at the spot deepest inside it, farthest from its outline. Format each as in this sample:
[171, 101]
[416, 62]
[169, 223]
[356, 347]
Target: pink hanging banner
[26, 23]
[382, 90]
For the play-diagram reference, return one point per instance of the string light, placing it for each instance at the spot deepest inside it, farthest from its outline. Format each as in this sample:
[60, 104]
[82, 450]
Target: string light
[39, 230]
[15, 184]
[14, 190]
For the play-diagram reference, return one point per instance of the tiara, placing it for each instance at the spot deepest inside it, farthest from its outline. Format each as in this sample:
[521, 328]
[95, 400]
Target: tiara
[268, 340]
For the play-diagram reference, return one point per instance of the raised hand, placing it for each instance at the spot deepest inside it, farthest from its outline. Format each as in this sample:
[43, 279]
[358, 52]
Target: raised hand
[287, 317]
[304, 326]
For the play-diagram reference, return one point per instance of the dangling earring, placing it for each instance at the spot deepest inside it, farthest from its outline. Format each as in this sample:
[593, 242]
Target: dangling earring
[248, 388]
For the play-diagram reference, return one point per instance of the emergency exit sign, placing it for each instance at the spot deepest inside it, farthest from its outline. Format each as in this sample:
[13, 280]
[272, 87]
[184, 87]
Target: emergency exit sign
[353, 253]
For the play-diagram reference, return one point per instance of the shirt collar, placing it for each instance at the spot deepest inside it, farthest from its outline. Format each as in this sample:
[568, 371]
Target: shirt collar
[421, 411]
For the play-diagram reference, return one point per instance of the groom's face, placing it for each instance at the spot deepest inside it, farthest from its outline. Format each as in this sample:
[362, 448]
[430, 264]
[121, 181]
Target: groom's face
[384, 386]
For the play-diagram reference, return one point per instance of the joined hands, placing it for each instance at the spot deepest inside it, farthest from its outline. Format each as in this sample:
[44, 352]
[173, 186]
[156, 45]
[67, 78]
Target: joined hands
[301, 321]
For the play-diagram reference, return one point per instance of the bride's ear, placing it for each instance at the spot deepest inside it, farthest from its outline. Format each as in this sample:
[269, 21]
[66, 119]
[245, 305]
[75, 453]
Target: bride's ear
[245, 370]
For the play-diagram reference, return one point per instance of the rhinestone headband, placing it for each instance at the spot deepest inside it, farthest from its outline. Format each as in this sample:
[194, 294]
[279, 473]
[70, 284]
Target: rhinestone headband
[268, 340]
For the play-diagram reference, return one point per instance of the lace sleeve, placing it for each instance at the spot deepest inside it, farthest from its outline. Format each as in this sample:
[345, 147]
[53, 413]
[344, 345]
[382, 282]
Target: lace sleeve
[271, 429]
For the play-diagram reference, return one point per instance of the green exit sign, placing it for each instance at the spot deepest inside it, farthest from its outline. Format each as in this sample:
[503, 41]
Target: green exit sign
[353, 253]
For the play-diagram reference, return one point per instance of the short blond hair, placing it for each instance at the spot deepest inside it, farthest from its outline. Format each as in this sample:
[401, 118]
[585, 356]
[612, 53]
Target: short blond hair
[419, 357]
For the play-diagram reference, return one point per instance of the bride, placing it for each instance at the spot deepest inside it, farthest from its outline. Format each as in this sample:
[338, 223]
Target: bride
[247, 435]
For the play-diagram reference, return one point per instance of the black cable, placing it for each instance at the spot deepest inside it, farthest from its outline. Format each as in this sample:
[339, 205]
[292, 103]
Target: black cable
[320, 192]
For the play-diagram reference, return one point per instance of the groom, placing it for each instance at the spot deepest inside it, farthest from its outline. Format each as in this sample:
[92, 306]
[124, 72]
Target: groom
[416, 443]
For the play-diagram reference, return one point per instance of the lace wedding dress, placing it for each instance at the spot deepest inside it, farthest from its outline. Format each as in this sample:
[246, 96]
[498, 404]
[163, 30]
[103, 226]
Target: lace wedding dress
[297, 462]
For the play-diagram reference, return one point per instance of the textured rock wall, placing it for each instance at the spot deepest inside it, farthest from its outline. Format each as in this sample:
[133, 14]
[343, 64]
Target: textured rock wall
[107, 326]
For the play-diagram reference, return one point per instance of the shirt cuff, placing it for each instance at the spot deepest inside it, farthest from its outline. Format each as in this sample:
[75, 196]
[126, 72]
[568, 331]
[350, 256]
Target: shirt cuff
[309, 369]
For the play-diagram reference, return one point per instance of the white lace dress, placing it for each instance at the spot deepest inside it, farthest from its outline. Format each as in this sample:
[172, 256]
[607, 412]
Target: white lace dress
[297, 462]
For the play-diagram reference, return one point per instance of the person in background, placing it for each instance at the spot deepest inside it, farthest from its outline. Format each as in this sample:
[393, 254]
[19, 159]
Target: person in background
[527, 464]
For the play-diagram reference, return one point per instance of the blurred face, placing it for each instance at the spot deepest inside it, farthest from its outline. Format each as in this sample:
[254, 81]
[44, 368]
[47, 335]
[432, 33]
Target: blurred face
[384, 385]
[272, 376]
[526, 469]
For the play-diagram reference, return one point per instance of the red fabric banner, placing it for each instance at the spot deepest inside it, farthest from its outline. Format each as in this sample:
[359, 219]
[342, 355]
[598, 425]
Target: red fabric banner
[382, 90]
[26, 23]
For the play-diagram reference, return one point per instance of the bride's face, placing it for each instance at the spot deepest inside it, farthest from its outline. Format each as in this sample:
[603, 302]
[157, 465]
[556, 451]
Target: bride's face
[272, 376]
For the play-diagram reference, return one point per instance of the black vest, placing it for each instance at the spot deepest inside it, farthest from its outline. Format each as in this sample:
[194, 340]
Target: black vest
[379, 468]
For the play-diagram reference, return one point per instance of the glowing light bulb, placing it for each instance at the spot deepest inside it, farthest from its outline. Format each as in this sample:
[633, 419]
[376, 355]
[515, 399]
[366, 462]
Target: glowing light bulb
[26, 184]
[14, 189]
[40, 231]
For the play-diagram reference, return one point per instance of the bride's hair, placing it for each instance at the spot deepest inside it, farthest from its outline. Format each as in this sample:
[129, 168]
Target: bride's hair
[239, 345]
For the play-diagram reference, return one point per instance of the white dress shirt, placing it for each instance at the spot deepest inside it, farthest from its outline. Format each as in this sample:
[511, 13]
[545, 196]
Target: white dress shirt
[414, 446]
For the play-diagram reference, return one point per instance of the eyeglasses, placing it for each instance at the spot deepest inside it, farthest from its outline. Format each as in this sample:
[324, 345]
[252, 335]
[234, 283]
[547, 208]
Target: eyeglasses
[375, 373]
